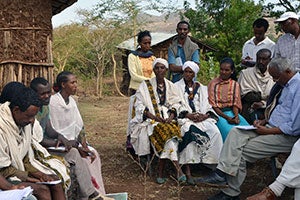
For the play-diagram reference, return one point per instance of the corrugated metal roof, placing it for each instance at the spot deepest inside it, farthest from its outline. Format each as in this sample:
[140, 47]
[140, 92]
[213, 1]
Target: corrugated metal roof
[156, 38]
[60, 5]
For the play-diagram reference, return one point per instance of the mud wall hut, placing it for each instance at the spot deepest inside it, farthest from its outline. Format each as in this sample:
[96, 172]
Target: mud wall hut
[26, 39]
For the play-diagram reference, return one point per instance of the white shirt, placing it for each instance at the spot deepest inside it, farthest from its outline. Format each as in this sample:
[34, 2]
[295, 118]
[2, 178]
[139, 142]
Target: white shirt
[250, 48]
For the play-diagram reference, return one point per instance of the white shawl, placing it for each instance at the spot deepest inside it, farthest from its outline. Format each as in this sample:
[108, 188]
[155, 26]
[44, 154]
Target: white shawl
[65, 118]
[14, 142]
[140, 130]
[55, 166]
[200, 101]
[251, 79]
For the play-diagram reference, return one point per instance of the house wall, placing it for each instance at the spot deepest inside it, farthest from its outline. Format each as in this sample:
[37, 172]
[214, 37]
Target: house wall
[25, 40]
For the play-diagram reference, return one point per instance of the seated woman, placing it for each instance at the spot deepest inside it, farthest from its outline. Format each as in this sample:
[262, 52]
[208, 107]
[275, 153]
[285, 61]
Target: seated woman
[157, 102]
[202, 140]
[225, 97]
[66, 119]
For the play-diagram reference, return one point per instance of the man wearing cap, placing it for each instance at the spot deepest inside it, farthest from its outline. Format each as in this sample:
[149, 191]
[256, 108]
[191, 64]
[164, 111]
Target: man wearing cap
[288, 45]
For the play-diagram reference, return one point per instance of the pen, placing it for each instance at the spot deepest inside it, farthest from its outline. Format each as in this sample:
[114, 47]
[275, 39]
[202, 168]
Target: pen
[256, 118]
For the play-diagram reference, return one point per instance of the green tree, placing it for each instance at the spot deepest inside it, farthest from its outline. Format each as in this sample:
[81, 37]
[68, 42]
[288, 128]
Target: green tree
[224, 24]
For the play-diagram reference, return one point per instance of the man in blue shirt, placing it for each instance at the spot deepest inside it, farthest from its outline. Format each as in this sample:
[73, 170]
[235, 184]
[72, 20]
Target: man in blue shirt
[275, 134]
[182, 49]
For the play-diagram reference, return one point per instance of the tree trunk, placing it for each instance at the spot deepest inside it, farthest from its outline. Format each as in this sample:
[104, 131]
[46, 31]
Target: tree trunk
[115, 76]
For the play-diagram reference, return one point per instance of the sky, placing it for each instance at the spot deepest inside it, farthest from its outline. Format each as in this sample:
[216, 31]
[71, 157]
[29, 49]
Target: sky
[69, 14]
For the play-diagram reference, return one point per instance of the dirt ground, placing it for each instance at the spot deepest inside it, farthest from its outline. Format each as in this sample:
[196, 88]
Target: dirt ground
[106, 122]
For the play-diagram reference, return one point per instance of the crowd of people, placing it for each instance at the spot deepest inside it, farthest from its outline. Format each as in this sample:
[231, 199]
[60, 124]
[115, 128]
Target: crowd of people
[177, 118]
[32, 123]
[171, 115]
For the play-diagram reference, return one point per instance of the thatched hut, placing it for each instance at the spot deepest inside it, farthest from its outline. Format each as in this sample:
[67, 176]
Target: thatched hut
[26, 32]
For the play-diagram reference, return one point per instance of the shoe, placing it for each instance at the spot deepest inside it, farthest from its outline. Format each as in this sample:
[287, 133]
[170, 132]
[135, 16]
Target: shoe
[265, 194]
[223, 196]
[182, 179]
[213, 180]
[161, 180]
[191, 181]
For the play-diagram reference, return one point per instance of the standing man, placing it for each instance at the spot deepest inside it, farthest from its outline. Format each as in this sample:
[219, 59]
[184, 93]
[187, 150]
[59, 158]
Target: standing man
[256, 84]
[288, 45]
[182, 49]
[259, 41]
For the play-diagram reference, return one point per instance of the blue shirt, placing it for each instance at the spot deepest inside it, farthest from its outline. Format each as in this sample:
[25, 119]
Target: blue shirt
[286, 114]
[180, 53]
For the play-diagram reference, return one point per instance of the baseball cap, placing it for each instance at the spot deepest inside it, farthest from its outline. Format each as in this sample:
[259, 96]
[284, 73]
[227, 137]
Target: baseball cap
[286, 16]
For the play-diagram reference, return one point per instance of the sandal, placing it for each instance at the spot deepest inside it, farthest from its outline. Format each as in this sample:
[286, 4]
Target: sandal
[182, 178]
[191, 181]
[161, 180]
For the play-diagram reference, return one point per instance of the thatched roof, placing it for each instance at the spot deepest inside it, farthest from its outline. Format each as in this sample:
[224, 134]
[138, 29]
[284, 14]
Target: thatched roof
[60, 5]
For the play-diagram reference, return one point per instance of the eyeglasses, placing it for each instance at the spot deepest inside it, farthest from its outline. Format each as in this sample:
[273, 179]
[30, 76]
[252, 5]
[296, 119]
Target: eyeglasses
[277, 79]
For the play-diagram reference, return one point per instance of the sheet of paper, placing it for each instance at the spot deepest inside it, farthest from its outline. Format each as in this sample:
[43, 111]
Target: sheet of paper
[250, 127]
[50, 182]
[15, 194]
[60, 148]
[178, 61]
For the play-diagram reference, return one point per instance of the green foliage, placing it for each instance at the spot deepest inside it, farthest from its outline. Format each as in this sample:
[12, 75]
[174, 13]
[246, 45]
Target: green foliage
[209, 68]
[224, 24]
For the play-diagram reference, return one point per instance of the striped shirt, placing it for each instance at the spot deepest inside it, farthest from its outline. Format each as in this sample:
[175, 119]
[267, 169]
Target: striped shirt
[288, 46]
[224, 94]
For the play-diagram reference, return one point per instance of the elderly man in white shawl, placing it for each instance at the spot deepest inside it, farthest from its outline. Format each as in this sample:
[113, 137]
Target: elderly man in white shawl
[202, 141]
[256, 84]
[16, 119]
[156, 106]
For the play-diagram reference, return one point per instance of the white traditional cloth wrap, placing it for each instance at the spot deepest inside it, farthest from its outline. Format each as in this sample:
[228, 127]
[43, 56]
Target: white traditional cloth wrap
[15, 143]
[192, 153]
[54, 164]
[194, 66]
[140, 130]
[162, 61]
[66, 119]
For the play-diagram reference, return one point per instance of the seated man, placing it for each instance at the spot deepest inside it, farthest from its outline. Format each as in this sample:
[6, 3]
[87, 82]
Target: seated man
[256, 84]
[16, 119]
[288, 177]
[51, 138]
[276, 134]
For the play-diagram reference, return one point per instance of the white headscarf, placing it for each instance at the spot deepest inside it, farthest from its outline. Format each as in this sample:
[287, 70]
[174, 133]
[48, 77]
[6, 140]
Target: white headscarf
[162, 61]
[194, 66]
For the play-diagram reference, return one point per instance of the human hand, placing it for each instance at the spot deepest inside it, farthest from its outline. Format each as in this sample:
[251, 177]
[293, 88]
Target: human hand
[259, 122]
[262, 130]
[14, 187]
[201, 117]
[233, 120]
[257, 105]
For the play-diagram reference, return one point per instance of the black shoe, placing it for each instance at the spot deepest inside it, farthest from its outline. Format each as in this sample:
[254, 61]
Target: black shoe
[223, 196]
[213, 180]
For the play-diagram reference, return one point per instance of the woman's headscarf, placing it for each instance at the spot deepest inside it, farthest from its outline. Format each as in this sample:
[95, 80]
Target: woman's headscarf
[162, 61]
[194, 66]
